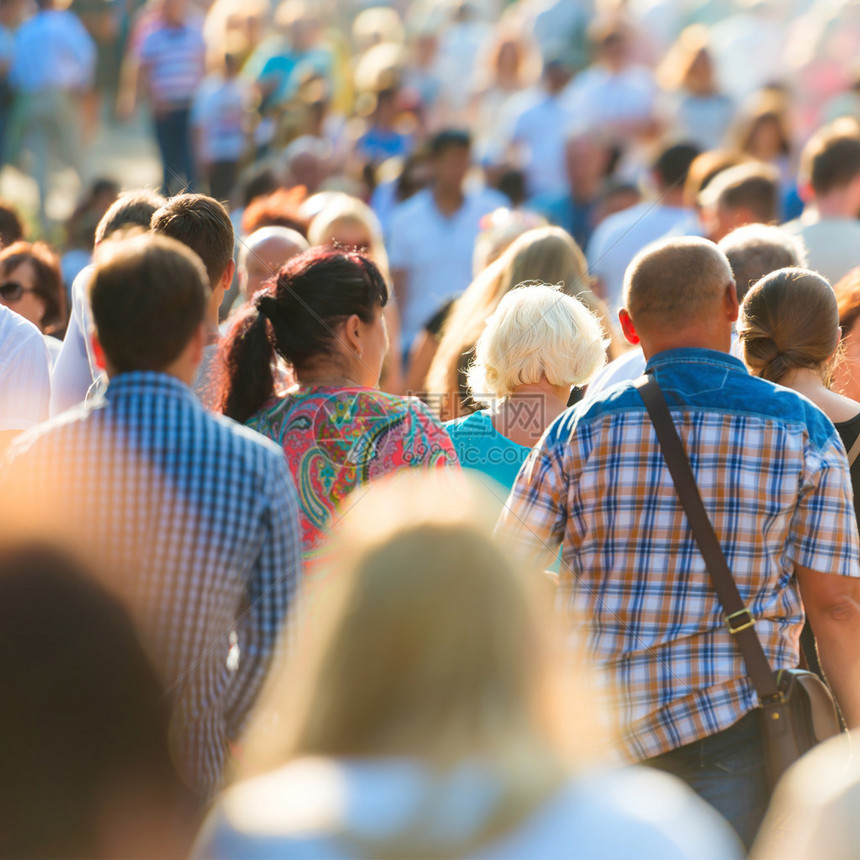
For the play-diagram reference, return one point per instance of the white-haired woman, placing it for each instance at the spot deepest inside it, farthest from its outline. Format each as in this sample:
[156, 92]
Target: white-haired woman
[536, 346]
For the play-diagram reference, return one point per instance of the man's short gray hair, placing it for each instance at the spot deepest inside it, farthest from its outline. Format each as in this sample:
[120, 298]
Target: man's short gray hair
[675, 282]
[756, 250]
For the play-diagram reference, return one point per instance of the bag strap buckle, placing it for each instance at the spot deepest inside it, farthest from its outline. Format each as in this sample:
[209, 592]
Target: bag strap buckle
[743, 619]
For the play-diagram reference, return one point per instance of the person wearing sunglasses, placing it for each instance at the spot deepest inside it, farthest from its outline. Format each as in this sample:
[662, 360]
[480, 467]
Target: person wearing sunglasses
[32, 286]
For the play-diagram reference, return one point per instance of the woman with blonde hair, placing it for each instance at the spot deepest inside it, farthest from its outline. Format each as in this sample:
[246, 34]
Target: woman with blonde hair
[694, 107]
[347, 222]
[427, 716]
[548, 255]
[536, 346]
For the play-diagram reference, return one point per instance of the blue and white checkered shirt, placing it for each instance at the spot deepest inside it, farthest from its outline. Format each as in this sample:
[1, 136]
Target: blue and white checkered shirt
[774, 480]
[194, 520]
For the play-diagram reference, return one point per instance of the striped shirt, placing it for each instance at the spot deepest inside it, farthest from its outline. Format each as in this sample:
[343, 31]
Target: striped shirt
[191, 518]
[174, 59]
[774, 480]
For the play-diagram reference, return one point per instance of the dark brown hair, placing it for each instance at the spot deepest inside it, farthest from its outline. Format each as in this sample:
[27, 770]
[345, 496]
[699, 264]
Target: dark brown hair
[788, 320]
[84, 718]
[11, 228]
[49, 281]
[148, 296]
[202, 224]
[831, 159]
[296, 318]
[132, 209]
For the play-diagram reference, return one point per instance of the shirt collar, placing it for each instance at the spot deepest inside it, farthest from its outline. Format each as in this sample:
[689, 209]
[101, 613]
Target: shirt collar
[140, 383]
[695, 355]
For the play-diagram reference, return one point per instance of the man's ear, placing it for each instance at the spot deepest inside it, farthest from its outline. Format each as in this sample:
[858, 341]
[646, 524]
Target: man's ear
[98, 352]
[627, 327]
[227, 277]
[731, 301]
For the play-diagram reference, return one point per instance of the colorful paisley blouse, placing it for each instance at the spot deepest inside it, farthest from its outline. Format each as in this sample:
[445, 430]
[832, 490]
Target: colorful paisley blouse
[336, 439]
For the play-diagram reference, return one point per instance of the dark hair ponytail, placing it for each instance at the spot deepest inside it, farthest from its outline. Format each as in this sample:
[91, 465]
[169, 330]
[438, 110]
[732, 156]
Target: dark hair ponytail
[245, 360]
[296, 317]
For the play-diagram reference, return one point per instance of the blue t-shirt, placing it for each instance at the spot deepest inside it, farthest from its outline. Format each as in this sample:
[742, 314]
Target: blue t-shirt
[481, 447]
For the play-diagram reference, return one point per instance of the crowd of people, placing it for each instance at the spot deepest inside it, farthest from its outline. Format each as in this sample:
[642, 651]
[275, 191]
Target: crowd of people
[333, 522]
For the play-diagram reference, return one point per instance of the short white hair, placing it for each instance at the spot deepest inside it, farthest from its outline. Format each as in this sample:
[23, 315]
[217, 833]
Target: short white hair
[536, 330]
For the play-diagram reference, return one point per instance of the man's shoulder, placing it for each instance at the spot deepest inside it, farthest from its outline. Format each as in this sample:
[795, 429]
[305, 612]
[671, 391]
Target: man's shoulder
[418, 205]
[254, 449]
[483, 200]
[736, 396]
[619, 222]
[16, 334]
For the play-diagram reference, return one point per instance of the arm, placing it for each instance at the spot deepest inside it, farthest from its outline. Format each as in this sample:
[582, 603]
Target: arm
[266, 626]
[533, 520]
[72, 375]
[400, 283]
[832, 605]
[25, 386]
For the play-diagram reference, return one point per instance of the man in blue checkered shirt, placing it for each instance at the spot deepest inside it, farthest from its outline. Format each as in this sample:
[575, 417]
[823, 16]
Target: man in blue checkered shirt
[192, 518]
[774, 479]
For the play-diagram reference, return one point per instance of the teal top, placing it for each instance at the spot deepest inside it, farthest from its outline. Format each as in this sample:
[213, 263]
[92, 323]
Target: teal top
[481, 447]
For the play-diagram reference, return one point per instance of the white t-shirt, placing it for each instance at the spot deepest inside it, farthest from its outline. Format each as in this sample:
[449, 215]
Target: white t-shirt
[619, 238]
[537, 124]
[218, 112]
[435, 251]
[25, 373]
[75, 369]
[832, 244]
[598, 96]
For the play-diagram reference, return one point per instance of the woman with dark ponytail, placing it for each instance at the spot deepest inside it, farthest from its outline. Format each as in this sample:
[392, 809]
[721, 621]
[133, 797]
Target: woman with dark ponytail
[323, 316]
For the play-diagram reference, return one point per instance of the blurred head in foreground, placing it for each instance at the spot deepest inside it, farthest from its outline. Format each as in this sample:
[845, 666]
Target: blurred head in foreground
[86, 766]
[430, 646]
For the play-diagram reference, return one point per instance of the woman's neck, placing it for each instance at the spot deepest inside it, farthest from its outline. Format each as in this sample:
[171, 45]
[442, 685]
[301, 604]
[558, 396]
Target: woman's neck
[328, 379]
[810, 382]
[806, 380]
[524, 415]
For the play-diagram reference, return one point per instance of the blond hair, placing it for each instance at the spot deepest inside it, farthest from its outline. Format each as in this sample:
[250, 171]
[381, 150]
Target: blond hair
[346, 209]
[789, 320]
[536, 331]
[429, 643]
[547, 255]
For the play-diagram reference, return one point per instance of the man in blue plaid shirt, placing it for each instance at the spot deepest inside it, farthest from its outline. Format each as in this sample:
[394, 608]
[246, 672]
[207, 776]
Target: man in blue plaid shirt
[774, 479]
[190, 517]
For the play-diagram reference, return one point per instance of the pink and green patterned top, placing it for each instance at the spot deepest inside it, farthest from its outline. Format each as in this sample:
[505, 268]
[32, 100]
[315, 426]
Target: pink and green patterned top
[337, 439]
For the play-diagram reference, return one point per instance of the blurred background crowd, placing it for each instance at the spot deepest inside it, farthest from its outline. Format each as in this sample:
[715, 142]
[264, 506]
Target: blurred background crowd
[561, 113]
[304, 211]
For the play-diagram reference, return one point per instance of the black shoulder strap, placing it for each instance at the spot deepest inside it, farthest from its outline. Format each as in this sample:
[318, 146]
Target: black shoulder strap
[739, 619]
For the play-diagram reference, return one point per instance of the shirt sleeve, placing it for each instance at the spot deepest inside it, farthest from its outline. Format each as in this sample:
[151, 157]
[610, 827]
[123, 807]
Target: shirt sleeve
[533, 521]
[25, 385]
[72, 375]
[265, 631]
[823, 534]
